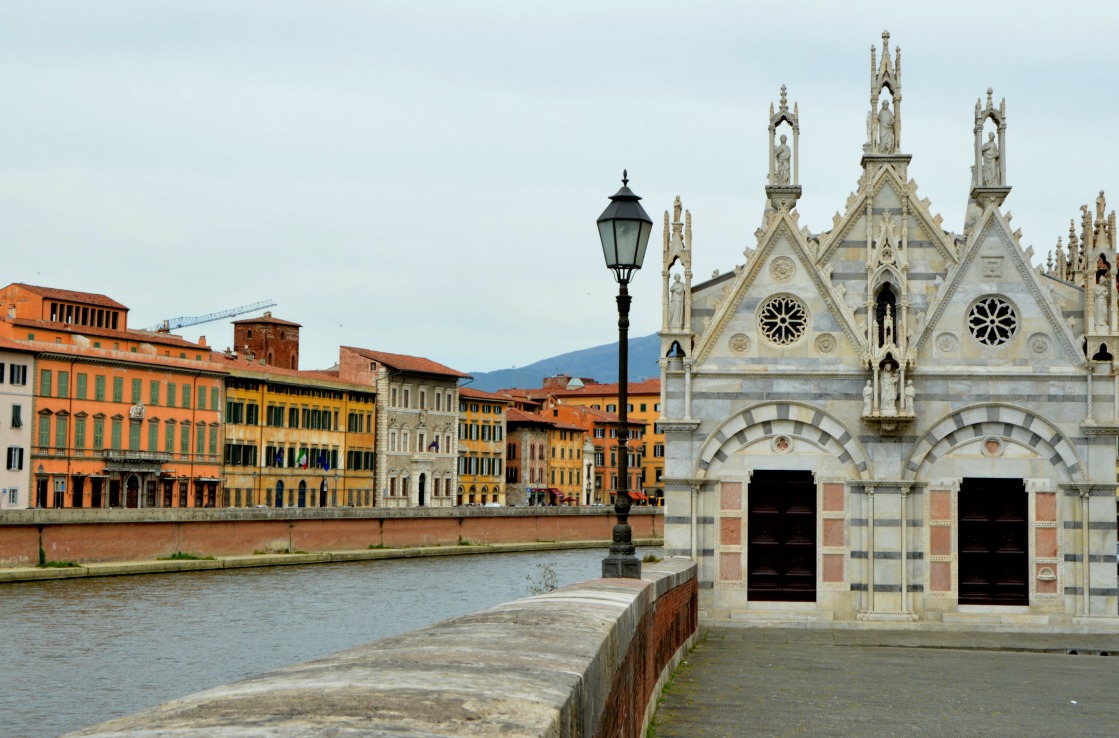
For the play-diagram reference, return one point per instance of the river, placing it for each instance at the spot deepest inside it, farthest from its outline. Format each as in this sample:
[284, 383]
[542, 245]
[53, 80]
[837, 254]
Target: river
[77, 652]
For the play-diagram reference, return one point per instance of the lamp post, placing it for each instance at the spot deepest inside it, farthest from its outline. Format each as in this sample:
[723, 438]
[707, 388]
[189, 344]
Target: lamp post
[624, 230]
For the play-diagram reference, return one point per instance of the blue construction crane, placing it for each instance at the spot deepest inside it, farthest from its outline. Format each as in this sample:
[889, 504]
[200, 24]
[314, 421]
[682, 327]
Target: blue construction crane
[182, 322]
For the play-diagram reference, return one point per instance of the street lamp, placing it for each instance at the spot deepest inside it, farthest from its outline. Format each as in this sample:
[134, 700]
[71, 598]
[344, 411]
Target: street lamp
[624, 229]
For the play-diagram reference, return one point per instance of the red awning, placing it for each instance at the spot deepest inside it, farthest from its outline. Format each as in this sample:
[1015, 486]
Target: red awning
[555, 492]
[637, 496]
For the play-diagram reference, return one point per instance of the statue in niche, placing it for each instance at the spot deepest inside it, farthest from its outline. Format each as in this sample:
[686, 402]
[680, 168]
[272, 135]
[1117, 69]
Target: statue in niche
[676, 304]
[888, 328]
[868, 398]
[1101, 305]
[910, 394]
[990, 153]
[783, 155]
[676, 207]
[889, 402]
[885, 129]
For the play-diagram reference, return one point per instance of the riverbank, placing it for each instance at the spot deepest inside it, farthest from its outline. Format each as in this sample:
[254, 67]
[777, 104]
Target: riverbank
[165, 566]
[31, 538]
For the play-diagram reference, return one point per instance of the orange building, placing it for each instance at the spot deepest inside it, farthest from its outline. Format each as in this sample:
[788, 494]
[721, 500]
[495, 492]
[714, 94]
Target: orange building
[120, 418]
[643, 408]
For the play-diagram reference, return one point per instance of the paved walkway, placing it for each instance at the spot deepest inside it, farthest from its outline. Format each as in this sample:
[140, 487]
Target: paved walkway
[823, 682]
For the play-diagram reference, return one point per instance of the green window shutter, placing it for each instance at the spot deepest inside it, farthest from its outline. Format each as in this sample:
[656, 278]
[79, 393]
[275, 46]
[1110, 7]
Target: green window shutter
[61, 432]
[213, 439]
[79, 433]
[118, 389]
[169, 438]
[214, 403]
[64, 384]
[83, 380]
[98, 433]
[201, 398]
[116, 426]
[153, 392]
[45, 382]
[153, 437]
[99, 388]
[134, 431]
[44, 430]
[186, 395]
[170, 394]
[199, 438]
[136, 385]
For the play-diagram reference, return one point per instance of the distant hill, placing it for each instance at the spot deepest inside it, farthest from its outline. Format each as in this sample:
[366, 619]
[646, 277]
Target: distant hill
[600, 362]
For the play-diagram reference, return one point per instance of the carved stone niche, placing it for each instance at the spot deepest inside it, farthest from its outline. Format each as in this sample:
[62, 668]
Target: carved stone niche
[889, 398]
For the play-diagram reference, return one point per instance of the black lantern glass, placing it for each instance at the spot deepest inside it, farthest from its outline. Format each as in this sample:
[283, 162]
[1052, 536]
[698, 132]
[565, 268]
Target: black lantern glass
[624, 229]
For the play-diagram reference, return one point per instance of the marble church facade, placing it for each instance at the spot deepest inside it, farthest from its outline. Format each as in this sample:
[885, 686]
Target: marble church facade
[891, 421]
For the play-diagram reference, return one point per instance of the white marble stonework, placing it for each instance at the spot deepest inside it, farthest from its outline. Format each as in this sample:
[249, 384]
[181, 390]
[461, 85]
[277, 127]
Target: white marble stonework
[880, 419]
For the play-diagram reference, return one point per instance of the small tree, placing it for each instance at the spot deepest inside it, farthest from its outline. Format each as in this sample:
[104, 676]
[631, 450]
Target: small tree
[546, 580]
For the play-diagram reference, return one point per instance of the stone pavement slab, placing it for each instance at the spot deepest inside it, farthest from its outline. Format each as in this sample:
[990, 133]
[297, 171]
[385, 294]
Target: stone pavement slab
[822, 682]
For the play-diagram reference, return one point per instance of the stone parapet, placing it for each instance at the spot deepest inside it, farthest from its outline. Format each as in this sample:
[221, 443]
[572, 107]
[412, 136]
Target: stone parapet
[586, 660]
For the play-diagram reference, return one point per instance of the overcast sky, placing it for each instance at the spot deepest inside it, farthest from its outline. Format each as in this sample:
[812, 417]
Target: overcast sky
[424, 177]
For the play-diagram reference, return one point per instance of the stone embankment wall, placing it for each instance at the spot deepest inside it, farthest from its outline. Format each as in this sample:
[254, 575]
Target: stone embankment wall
[587, 660]
[92, 536]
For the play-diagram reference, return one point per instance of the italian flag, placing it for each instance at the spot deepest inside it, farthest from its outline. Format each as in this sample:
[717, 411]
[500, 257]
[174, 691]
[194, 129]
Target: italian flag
[301, 462]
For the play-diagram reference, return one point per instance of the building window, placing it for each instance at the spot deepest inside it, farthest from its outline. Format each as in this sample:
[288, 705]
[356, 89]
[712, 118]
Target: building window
[201, 398]
[136, 384]
[44, 431]
[658, 450]
[82, 382]
[15, 458]
[153, 435]
[184, 439]
[18, 374]
[199, 439]
[153, 392]
[116, 432]
[118, 389]
[134, 435]
[169, 437]
[79, 434]
[45, 382]
[213, 440]
[423, 399]
[170, 394]
[392, 394]
[98, 433]
[214, 405]
[17, 418]
[407, 397]
[99, 387]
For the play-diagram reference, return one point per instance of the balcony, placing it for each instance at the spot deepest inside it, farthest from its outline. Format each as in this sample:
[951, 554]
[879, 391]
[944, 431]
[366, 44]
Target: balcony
[141, 457]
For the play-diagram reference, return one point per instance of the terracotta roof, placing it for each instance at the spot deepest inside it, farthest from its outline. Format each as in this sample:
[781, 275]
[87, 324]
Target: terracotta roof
[10, 345]
[513, 415]
[166, 339]
[644, 387]
[237, 365]
[268, 319]
[89, 298]
[480, 395]
[404, 363]
[206, 365]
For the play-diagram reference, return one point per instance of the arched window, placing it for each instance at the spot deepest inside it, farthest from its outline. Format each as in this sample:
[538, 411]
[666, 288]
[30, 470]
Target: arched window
[885, 304]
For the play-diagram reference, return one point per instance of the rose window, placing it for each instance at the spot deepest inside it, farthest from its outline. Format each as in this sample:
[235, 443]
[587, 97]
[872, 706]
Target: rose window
[992, 321]
[783, 319]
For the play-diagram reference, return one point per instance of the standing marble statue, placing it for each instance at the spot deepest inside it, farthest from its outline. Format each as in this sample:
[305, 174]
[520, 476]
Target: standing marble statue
[990, 151]
[676, 304]
[783, 155]
[910, 395]
[885, 129]
[889, 401]
[1101, 305]
[868, 398]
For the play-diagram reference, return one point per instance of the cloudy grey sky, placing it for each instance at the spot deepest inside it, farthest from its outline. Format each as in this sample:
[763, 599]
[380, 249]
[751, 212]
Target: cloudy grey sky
[423, 177]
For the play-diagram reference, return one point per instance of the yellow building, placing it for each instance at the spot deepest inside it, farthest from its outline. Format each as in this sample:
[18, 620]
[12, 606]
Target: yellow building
[297, 438]
[481, 447]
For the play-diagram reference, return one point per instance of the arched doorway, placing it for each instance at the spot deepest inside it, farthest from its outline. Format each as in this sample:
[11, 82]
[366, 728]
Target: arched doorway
[132, 491]
[421, 488]
[302, 493]
[279, 494]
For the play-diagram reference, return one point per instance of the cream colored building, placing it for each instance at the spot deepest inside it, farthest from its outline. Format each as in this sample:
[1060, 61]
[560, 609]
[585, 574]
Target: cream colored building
[890, 418]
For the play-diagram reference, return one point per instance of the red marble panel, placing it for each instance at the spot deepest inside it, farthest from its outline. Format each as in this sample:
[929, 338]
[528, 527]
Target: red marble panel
[730, 531]
[940, 576]
[1046, 541]
[731, 495]
[1045, 506]
[940, 504]
[833, 498]
[833, 567]
[730, 567]
[833, 533]
[940, 541]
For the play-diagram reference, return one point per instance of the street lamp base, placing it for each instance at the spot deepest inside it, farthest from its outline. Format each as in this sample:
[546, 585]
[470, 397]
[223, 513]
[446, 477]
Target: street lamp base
[621, 566]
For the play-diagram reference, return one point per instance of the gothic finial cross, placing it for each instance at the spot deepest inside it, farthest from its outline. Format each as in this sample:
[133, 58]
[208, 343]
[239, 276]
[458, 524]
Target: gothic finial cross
[784, 99]
[885, 40]
[990, 92]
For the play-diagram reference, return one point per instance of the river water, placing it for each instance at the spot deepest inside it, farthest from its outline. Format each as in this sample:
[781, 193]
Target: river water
[77, 652]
